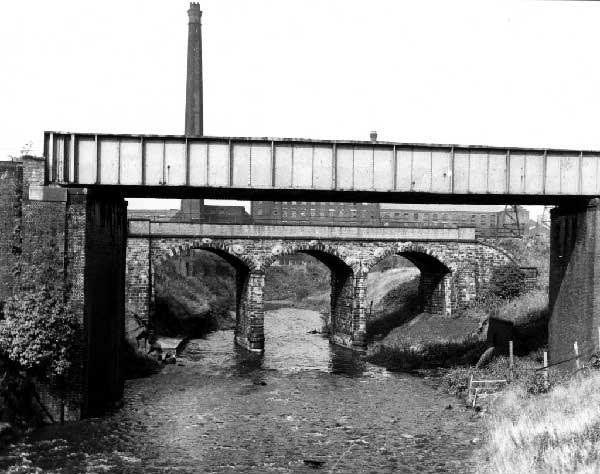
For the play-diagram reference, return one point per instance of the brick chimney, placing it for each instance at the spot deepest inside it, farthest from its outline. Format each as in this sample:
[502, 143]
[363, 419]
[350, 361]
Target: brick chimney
[194, 208]
[193, 93]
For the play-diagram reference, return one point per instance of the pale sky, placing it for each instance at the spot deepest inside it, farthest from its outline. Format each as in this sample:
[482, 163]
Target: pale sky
[494, 73]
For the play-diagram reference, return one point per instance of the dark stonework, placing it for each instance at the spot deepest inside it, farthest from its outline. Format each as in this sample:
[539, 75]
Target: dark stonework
[574, 280]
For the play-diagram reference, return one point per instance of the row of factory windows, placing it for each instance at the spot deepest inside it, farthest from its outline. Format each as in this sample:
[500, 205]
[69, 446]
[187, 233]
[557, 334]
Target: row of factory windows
[316, 213]
[456, 217]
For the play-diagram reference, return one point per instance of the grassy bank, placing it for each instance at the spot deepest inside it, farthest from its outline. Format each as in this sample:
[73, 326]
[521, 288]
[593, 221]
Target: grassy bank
[557, 432]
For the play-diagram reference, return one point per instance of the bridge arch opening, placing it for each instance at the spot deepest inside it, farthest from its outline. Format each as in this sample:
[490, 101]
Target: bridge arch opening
[200, 287]
[402, 283]
[327, 286]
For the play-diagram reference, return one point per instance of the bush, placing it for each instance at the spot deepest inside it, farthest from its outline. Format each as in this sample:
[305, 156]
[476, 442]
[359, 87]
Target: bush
[506, 282]
[40, 331]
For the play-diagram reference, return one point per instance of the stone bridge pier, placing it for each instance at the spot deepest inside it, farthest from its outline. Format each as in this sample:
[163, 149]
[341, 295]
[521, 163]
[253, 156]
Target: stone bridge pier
[453, 273]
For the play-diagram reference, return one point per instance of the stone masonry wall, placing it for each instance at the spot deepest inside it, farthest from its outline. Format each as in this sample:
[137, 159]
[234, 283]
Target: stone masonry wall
[455, 273]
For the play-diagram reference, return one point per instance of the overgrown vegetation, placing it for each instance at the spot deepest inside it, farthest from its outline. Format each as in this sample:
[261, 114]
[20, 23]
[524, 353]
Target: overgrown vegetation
[557, 432]
[195, 303]
[40, 331]
[296, 282]
[40, 334]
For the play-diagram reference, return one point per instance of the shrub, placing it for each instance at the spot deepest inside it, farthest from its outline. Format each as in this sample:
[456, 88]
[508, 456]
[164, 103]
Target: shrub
[40, 331]
[506, 282]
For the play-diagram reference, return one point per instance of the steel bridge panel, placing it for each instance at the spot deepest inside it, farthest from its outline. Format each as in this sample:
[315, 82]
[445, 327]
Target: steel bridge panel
[323, 168]
[516, 173]
[383, 169]
[461, 171]
[552, 177]
[345, 168]
[175, 163]
[198, 158]
[534, 173]
[363, 169]
[260, 166]
[241, 166]
[131, 162]
[303, 166]
[218, 164]
[569, 174]
[440, 171]
[154, 158]
[496, 172]
[421, 171]
[283, 166]
[478, 172]
[109, 164]
[86, 152]
[589, 174]
[403, 169]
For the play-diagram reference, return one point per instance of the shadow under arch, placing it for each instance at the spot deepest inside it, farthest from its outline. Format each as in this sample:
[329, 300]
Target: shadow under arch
[242, 264]
[434, 287]
[343, 323]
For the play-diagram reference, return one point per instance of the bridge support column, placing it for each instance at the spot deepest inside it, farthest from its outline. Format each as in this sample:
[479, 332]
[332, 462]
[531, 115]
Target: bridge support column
[89, 234]
[359, 330]
[139, 273]
[574, 287]
[435, 293]
[250, 317]
[348, 308]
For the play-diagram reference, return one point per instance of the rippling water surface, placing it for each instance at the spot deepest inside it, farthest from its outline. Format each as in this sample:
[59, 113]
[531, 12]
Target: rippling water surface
[304, 405]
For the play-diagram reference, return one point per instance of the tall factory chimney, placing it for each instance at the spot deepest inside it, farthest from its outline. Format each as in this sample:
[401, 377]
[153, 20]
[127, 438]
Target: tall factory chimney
[193, 92]
[193, 209]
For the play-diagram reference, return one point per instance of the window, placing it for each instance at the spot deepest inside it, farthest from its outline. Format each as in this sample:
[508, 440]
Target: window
[416, 216]
[260, 212]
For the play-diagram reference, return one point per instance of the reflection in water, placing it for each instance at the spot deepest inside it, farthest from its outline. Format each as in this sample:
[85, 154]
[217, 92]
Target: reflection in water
[291, 345]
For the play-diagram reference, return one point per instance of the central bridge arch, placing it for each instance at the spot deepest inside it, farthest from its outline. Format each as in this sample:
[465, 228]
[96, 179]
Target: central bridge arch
[343, 324]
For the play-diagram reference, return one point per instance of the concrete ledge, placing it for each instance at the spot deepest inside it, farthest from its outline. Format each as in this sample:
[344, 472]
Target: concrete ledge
[144, 228]
[47, 193]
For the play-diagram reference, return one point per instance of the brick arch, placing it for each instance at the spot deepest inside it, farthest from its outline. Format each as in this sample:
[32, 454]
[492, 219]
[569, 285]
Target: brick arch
[505, 253]
[405, 248]
[331, 255]
[236, 257]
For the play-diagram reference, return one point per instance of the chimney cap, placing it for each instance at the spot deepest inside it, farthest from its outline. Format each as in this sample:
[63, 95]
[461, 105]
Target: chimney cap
[194, 13]
[373, 135]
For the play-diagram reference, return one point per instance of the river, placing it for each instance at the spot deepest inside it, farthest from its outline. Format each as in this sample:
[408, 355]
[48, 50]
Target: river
[304, 405]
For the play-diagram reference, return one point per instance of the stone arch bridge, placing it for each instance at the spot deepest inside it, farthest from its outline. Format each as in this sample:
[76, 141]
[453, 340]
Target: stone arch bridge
[454, 267]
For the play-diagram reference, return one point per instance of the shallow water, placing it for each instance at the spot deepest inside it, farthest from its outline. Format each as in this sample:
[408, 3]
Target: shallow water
[304, 405]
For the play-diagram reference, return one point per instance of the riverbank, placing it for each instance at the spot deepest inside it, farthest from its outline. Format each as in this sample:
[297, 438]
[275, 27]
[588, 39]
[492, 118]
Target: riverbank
[305, 403]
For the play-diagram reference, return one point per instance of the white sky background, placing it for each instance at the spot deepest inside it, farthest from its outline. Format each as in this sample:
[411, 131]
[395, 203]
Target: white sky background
[494, 73]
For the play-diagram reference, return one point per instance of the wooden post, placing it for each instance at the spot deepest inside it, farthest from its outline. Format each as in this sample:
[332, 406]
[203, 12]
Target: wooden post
[577, 363]
[546, 382]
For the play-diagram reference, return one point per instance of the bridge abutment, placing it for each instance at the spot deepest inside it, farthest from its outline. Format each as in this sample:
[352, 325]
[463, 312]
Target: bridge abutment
[81, 237]
[574, 287]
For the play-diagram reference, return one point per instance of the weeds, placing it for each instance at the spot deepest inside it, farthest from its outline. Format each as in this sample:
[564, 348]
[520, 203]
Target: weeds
[557, 432]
